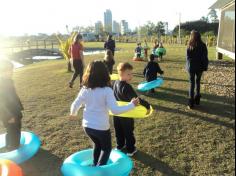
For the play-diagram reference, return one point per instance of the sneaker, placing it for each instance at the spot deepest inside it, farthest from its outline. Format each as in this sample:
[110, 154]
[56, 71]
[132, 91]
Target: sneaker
[132, 153]
[70, 85]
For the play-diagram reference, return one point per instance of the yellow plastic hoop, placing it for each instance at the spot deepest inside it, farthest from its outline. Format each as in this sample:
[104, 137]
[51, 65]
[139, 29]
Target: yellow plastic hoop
[114, 77]
[138, 112]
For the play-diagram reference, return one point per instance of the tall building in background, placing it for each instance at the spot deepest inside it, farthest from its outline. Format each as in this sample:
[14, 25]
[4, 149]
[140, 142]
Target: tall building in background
[108, 21]
[116, 27]
[98, 27]
[124, 26]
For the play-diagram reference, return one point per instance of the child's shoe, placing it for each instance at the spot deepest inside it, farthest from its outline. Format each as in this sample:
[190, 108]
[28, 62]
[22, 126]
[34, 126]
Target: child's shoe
[130, 154]
[71, 85]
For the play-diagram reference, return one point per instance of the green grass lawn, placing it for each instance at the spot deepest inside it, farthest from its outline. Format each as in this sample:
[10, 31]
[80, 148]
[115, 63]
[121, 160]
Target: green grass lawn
[173, 141]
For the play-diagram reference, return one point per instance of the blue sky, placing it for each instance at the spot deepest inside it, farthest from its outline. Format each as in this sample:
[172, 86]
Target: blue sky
[18, 17]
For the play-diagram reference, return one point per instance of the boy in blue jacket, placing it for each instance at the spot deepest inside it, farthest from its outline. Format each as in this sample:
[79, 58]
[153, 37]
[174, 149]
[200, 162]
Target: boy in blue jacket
[151, 70]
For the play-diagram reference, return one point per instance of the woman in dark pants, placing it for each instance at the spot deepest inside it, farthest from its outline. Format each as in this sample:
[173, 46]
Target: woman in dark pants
[196, 63]
[76, 53]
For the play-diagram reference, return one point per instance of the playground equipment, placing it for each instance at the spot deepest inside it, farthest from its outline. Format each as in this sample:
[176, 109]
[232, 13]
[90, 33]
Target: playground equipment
[9, 168]
[145, 86]
[29, 146]
[80, 164]
[138, 112]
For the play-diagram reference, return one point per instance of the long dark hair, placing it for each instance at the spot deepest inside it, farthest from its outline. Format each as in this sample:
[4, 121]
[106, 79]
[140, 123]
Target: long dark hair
[77, 38]
[96, 75]
[195, 40]
[109, 37]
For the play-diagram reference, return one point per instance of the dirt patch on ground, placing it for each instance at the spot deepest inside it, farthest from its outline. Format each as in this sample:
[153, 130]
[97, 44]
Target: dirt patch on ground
[220, 78]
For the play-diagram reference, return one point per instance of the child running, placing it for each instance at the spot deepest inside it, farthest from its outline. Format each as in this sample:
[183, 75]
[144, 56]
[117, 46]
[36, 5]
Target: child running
[151, 70]
[98, 98]
[76, 53]
[10, 106]
[124, 127]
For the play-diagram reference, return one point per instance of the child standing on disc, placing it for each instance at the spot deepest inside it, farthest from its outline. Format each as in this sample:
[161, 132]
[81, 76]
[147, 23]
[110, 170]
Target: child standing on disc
[98, 98]
[124, 127]
[10, 106]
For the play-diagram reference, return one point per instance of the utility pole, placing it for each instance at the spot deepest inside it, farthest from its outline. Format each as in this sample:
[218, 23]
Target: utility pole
[179, 27]
[167, 28]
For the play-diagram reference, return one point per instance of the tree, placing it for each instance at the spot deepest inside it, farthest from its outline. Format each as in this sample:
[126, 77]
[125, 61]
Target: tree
[213, 17]
[150, 29]
[205, 19]
[160, 28]
[200, 26]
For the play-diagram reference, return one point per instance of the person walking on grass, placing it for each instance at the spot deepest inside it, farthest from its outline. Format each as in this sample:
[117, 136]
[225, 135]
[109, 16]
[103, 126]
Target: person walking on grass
[109, 60]
[76, 53]
[110, 44]
[10, 107]
[196, 63]
[98, 98]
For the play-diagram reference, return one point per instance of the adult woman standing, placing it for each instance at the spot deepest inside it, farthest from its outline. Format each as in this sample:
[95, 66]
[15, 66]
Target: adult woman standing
[196, 63]
[76, 53]
[110, 44]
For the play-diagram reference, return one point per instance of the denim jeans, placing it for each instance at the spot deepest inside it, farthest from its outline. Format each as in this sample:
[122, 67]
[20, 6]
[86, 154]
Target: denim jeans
[195, 81]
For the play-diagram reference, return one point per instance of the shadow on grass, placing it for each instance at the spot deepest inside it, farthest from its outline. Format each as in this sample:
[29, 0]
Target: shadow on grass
[155, 164]
[215, 98]
[211, 104]
[175, 79]
[177, 60]
[196, 116]
[43, 164]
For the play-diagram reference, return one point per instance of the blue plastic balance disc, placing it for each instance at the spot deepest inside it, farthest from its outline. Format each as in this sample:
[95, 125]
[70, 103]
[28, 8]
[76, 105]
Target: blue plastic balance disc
[145, 86]
[30, 145]
[79, 164]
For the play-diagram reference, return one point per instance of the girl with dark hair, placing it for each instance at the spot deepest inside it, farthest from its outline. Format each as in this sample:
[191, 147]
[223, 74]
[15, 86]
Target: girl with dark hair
[98, 98]
[76, 53]
[196, 63]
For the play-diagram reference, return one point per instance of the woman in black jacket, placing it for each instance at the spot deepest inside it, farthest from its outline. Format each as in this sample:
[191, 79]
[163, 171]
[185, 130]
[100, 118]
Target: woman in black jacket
[196, 63]
[110, 44]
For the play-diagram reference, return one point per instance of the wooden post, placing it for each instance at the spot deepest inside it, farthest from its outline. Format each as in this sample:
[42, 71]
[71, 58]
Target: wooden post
[21, 46]
[219, 56]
